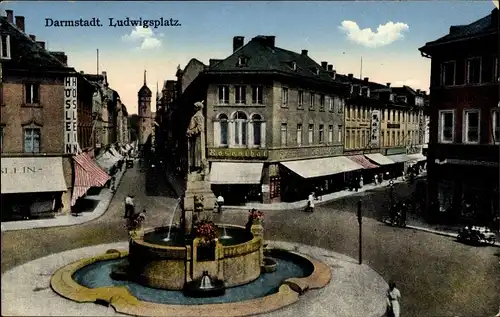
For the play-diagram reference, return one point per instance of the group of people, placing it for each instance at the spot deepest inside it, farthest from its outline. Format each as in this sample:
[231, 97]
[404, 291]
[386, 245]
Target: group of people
[130, 209]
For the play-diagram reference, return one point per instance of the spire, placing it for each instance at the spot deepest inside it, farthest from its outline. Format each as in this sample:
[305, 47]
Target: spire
[145, 78]
[157, 92]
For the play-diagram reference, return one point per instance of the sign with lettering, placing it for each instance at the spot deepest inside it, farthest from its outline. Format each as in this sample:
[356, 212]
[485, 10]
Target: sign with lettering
[238, 153]
[393, 126]
[70, 116]
[306, 152]
[32, 174]
[375, 129]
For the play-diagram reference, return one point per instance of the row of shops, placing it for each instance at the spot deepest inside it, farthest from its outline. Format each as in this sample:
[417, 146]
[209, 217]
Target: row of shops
[288, 181]
[41, 186]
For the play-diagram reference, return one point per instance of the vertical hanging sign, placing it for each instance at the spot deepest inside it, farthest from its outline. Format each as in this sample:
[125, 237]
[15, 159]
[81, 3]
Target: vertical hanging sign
[70, 116]
[375, 129]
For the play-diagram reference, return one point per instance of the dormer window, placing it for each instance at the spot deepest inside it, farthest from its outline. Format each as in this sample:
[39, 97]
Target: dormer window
[5, 46]
[391, 97]
[294, 66]
[242, 61]
[315, 70]
[365, 91]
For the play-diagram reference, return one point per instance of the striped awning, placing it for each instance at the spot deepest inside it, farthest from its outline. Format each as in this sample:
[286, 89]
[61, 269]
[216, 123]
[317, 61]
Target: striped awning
[363, 161]
[322, 166]
[87, 174]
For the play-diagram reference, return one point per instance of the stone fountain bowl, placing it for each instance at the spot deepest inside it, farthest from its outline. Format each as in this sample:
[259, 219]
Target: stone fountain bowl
[161, 264]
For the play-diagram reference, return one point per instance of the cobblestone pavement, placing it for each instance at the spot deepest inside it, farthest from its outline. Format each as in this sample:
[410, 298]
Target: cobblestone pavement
[436, 275]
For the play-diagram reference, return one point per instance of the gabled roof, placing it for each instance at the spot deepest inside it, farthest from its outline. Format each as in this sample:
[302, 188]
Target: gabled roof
[484, 26]
[259, 56]
[26, 53]
[405, 90]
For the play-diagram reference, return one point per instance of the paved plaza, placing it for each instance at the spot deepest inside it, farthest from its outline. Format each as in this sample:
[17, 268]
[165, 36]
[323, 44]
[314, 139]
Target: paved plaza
[437, 276]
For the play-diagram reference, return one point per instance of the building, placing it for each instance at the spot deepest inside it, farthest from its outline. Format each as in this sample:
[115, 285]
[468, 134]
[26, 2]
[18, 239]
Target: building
[46, 120]
[463, 154]
[274, 122]
[144, 112]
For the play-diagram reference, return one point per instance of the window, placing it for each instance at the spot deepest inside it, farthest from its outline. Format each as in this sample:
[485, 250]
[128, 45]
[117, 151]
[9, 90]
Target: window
[382, 138]
[299, 134]
[284, 97]
[321, 134]
[5, 46]
[348, 113]
[32, 140]
[340, 134]
[240, 94]
[312, 103]
[446, 126]
[382, 114]
[398, 140]
[223, 95]
[399, 116]
[474, 70]
[358, 139]
[283, 134]
[348, 139]
[363, 140]
[448, 74]
[322, 103]
[240, 128]
[223, 128]
[301, 100]
[393, 138]
[257, 126]
[32, 93]
[495, 122]
[471, 124]
[330, 104]
[330, 134]
[257, 95]
[496, 70]
[310, 134]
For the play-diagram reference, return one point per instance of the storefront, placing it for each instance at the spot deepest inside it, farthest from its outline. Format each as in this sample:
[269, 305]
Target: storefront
[322, 175]
[369, 169]
[384, 163]
[32, 187]
[87, 175]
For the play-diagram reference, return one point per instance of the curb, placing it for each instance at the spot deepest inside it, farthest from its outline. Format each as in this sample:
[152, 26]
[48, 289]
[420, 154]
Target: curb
[70, 220]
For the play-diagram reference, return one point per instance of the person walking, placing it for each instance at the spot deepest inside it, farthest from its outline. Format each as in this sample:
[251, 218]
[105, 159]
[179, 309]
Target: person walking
[310, 202]
[129, 206]
[220, 203]
[393, 298]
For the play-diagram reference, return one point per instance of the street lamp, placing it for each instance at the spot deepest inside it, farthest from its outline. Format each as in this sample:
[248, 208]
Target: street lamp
[360, 222]
[391, 192]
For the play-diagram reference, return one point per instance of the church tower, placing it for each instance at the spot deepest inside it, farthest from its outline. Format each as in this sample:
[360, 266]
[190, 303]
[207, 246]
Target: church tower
[144, 113]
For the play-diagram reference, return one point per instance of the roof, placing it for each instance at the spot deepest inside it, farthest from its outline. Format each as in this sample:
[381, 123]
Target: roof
[261, 56]
[145, 91]
[26, 53]
[405, 90]
[484, 26]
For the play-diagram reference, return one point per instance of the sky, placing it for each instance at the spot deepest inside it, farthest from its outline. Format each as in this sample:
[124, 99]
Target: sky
[386, 35]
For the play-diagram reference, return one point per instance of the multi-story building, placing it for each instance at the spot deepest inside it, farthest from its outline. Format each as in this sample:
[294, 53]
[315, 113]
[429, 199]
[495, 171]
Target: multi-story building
[274, 122]
[463, 155]
[46, 120]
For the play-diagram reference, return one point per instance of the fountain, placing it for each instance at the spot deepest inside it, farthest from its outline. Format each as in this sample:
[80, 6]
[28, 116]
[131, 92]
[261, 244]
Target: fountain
[172, 220]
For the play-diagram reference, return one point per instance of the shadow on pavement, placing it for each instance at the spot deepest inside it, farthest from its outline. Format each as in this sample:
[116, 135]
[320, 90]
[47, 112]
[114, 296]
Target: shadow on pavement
[157, 184]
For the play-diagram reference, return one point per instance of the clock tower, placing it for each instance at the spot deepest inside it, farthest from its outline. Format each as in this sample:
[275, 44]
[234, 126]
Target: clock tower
[144, 113]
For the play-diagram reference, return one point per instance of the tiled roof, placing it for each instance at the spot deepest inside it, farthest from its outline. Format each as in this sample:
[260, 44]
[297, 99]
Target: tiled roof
[259, 56]
[26, 53]
[483, 26]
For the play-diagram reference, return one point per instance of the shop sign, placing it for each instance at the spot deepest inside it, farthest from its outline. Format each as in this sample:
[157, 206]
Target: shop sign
[308, 152]
[396, 150]
[375, 129]
[393, 126]
[70, 116]
[238, 153]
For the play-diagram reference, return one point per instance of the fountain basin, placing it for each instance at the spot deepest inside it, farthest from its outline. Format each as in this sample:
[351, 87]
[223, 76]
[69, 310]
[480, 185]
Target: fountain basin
[269, 265]
[205, 287]
[168, 264]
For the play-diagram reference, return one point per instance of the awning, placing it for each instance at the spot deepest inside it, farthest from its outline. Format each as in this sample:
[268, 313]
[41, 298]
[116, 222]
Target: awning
[399, 158]
[379, 159]
[363, 161]
[322, 167]
[236, 173]
[87, 174]
[115, 153]
[417, 157]
[32, 175]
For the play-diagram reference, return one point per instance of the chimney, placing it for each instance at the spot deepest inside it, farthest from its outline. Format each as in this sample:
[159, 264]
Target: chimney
[20, 22]
[365, 80]
[267, 40]
[10, 15]
[238, 42]
[324, 65]
[41, 44]
[32, 37]
[418, 91]
[388, 85]
[61, 56]
[330, 68]
[350, 76]
[304, 52]
[454, 29]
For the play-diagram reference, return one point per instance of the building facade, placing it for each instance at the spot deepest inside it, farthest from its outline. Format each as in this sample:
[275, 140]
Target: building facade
[46, 119]
[463, 154]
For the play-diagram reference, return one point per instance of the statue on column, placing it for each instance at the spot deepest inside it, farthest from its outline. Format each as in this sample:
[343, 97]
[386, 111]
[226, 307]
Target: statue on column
[197, 162]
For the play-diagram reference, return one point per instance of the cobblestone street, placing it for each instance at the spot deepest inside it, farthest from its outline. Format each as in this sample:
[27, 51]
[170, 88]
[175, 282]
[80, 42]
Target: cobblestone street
[436, 275]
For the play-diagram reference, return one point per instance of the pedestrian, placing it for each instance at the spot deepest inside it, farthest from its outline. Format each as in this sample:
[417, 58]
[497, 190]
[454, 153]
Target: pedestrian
[361, 181]
[220, 203]
[113, 183]
[129, 206]
[310, 202]
[393, 298]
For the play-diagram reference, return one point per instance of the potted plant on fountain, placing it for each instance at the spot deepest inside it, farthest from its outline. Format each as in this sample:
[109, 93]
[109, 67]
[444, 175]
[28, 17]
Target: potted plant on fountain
[206, 232]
